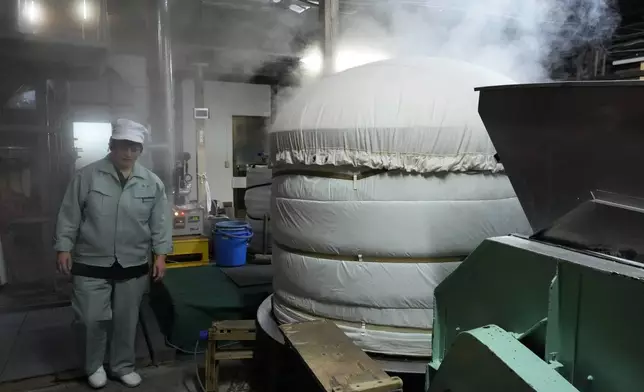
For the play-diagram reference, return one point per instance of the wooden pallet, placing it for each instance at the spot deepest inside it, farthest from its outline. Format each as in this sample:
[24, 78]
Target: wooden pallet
[337, 364]
[226, 331]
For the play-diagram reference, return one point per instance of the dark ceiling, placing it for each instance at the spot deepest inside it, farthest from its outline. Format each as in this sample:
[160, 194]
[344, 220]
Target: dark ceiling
[253, 39]
[631, 10]
[246, 38]
[238, 39]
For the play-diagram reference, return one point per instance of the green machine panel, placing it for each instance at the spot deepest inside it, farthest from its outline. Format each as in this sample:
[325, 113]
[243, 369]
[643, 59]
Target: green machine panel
[491, 359]
[597, 335]
[503, 282]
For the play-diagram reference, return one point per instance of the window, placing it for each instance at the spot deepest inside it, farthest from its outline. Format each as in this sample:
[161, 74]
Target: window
[91, 141]
[23, 98]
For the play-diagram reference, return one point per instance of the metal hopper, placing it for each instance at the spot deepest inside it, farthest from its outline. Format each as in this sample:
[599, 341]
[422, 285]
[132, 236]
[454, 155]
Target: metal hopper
[574, 146]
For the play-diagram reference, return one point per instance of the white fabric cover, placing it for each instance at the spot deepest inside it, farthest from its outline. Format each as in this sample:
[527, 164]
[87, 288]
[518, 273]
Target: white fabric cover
[416, 114]
[443, 194]
[393, 215]
[258, 203]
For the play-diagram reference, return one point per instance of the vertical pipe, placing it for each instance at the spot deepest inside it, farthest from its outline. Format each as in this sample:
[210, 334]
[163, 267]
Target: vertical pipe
[164, 46]
[4, 275]
[604, 61]
[596, 55]
[200, 124]
[265, 228]
[329, 14]
[103, 31]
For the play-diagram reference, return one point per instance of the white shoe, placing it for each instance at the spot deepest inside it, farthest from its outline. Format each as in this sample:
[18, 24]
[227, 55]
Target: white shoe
[131, 380]
[98, 379]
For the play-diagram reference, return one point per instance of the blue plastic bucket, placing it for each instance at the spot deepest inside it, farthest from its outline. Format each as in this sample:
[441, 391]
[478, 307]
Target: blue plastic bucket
[231, 243]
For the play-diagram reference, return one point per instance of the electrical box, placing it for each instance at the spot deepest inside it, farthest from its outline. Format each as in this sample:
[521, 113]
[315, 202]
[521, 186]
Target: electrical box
[202, 113]
[187, 221]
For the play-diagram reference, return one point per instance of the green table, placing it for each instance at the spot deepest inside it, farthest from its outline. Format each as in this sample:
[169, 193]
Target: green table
[191, 298]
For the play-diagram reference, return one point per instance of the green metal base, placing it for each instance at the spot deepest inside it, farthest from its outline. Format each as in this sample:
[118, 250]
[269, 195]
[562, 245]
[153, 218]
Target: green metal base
[575, 309]
[491, 359]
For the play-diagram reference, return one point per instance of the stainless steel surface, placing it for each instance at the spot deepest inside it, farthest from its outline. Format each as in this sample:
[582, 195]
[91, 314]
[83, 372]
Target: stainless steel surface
[560, 142]
[609, 225]
[267, 322]
[588, 259]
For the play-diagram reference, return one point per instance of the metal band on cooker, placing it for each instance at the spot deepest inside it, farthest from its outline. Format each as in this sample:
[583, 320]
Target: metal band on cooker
[371, 259]
[258, 186]
[326, 174]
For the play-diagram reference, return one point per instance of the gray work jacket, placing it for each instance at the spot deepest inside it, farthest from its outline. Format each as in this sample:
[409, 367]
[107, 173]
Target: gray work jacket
[101, 222]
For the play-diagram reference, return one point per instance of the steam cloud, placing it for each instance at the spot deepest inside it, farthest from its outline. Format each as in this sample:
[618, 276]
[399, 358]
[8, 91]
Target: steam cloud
[522, 39]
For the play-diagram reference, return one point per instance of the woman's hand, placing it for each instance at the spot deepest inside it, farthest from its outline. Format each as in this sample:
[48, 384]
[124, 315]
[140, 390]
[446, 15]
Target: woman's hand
[158, 271]
[64, 262]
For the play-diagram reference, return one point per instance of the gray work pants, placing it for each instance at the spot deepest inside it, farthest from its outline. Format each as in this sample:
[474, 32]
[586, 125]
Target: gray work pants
[105, 307]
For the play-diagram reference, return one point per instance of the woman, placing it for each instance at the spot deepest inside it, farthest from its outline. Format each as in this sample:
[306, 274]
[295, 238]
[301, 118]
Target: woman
[113, 212]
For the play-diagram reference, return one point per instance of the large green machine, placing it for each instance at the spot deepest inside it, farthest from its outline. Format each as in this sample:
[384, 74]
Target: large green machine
[562, 310]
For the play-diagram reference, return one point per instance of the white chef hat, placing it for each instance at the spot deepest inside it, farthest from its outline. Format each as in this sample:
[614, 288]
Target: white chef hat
[129, 130]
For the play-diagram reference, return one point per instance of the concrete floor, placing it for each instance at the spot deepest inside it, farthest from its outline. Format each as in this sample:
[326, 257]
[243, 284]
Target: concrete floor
[31, 344]
[43, 295]
[177, 378]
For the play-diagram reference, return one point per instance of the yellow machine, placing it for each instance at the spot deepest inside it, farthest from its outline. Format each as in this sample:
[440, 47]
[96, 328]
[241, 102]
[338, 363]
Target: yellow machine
[189, 246]
[189, 252]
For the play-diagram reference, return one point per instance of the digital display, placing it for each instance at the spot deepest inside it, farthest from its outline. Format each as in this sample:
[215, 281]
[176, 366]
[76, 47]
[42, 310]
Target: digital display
[194, 218]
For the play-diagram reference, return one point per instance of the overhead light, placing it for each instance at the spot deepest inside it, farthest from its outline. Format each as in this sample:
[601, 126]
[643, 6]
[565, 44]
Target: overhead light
[347, 57]
[84, 10]
[298, 8]
[312, 61]
[33, 12]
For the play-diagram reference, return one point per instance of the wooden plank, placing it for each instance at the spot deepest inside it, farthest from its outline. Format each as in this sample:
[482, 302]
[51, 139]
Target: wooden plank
[232, 335]
[248, 325]
[337, 363]
[233, 355]
[233, 330]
